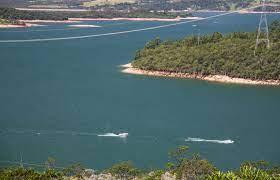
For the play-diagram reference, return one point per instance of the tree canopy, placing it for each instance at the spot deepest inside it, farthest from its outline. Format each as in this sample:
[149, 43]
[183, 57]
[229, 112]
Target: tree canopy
[215, 54]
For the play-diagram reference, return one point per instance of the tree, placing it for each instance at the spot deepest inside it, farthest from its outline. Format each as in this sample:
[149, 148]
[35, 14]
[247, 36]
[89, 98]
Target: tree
[153, 43]
[50, 163]
[195, 168]
[76, 170]
[124, 170]
[178, 155]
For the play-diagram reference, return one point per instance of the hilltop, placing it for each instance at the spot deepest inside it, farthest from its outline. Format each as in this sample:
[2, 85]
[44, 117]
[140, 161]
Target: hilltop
[128, 5]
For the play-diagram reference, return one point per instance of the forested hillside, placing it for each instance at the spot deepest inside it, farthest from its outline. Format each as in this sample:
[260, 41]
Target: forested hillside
[198, 4]
[13, 14]
[224, 5]
[217, 54]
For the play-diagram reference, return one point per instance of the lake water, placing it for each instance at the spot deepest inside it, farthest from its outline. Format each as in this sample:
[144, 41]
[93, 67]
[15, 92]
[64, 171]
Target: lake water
[57, 96]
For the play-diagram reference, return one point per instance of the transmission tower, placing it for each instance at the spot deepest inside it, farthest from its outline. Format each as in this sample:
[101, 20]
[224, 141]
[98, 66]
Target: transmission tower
[263, 34]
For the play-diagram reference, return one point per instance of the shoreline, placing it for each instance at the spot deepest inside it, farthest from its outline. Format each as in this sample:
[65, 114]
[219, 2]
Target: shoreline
[52, 9]
[256, 12]
[134, 19]
[26, 25]
[33, 23]
[48, 21]
[239, 12]
[129, 69]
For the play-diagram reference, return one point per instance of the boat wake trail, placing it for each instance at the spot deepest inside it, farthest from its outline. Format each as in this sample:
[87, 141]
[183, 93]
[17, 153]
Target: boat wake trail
[72, 133]
[121, 135]
[209, 140]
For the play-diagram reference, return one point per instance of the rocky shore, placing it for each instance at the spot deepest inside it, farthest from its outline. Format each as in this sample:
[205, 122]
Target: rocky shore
[90, 174]
[128, 68]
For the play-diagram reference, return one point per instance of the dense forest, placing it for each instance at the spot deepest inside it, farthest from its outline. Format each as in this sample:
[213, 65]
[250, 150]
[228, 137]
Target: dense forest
[224, 5]
[181, 165]
[10, 21]
[13, 14]
[217, 54]
[197, 4]
[270, 8]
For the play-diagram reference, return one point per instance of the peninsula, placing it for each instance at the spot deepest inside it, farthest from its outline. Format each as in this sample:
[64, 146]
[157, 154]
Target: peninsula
[222, 58]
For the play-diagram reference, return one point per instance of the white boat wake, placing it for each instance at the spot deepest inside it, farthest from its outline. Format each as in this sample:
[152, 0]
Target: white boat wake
[73, 133]
[210, 140]
[121, 135]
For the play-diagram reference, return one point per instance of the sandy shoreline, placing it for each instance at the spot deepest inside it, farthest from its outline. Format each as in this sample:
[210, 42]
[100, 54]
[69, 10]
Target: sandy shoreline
[48, 21]
[19, 25]
[32, 23]
[127, 68]
[133, 19]
[257, 12]
[240, 12]
[11, 26]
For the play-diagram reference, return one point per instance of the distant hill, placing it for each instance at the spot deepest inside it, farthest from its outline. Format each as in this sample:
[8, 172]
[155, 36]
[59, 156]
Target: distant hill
[157, 5]
[107, 2]
[224, 5]
[13, 3]
[28, 3]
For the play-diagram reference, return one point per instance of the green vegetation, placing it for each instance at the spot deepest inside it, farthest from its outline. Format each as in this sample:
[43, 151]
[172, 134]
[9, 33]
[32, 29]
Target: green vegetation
[13, 14]
[270, 8]
[148, 14]
[124, 170]
[180, 166]
[224, 5]
[216, 54]
[139, 4]
[106, 2]
[7, 21]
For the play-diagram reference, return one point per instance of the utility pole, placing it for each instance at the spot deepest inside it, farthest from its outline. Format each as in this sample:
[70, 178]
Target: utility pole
[263, 33]
[21, 161]
[198, 37]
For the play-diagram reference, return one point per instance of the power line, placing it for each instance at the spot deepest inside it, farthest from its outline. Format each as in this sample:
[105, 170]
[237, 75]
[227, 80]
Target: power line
[122, 32]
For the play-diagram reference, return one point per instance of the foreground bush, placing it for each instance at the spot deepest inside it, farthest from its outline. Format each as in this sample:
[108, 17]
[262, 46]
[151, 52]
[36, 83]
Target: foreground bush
[181, 166]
